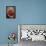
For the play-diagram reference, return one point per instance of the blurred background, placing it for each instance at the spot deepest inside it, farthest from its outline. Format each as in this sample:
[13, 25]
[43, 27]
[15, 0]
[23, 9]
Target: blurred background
[27, 12]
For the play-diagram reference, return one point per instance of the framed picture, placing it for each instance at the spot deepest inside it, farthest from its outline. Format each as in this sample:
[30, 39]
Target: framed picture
[32, 32]
[10, 12]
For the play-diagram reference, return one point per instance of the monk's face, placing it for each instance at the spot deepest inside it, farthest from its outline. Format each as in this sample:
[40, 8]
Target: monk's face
[10, 12]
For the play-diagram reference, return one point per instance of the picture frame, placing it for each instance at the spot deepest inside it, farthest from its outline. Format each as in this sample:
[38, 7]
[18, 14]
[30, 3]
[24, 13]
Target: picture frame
[10, 12]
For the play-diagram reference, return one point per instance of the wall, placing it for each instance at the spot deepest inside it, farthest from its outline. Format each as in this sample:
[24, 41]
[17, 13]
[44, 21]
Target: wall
[31, 11]
[27, 12]
[6, 25]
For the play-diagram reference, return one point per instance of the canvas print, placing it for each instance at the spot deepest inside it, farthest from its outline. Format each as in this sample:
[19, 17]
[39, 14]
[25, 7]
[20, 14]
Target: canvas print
[33, 32]
[12, 38]
[10, 12]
